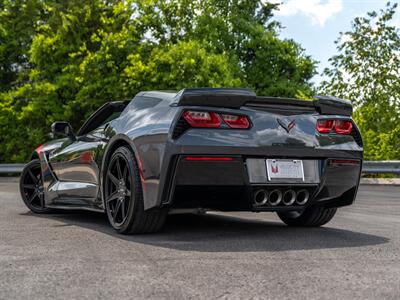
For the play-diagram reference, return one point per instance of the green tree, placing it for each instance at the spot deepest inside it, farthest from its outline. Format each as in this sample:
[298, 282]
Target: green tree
[18, 22]
[367, 70]
[244, 31]
[81, 53]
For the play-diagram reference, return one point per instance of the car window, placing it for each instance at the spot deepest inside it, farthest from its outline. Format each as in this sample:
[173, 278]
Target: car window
[103, 115]
[110, 118]
[99, 131]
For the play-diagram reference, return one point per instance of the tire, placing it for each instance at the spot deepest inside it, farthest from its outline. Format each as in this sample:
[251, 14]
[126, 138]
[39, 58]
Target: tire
[312, 216]
[31, 187]
[122, 184]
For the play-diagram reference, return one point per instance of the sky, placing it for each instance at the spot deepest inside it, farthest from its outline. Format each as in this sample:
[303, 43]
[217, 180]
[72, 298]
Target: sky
[316, 24]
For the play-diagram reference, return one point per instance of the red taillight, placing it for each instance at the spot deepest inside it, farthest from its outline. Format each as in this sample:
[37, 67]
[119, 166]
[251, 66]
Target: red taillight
[234, 121]
[208, 158]
[324, 126]
[202, 119]
[340, 126]
[343, 126]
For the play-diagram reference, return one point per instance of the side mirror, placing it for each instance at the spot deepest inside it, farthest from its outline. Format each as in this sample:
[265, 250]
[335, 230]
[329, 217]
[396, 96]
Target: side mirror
[63, 129]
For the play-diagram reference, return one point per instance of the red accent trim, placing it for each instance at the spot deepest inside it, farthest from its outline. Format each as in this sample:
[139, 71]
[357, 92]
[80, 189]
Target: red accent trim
[141, 174]
[208, 158]
[344, 162]
[38, 149]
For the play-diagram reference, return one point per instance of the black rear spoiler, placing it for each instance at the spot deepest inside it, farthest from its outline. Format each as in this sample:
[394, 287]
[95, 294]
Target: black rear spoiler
[329, 105]
[236, 98]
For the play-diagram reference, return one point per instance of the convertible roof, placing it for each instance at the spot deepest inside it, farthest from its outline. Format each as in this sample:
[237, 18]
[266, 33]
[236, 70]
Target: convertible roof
[162, 95]
[201, 95]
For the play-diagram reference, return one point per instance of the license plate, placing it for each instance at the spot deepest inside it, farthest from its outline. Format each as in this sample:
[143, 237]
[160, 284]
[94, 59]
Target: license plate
[285, 169]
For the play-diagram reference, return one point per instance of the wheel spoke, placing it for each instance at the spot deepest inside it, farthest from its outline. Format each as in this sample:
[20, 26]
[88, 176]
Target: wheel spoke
[34, 178]
[112, 197]
[128, 192]
[118, 168]
[125, 174]
[123, 209]
[41, 197]
[33, 197]
[114, 179]
[116, 209]
[29, 186]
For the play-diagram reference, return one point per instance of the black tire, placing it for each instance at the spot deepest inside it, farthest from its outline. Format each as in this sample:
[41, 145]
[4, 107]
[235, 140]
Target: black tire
[312, 216]
[31, 187]
[124, 197]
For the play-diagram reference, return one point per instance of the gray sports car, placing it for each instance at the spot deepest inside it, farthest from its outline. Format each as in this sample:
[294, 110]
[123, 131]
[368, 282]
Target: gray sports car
[214, 149]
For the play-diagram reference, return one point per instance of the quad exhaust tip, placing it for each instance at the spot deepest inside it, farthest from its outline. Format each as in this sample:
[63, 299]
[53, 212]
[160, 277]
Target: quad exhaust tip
[302, 197]
[289, 197]
[275, 197]
[260, 197]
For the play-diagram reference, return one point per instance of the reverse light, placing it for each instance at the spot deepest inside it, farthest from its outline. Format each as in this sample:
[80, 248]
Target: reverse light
[343, 126]
[235, 121]
[202, 119]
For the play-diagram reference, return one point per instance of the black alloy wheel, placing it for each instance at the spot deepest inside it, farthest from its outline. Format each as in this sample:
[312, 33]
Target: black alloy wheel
[31, 187]
[118, 190]
[124, 197]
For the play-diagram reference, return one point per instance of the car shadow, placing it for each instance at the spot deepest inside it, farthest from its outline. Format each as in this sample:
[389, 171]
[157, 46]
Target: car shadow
[221, 233]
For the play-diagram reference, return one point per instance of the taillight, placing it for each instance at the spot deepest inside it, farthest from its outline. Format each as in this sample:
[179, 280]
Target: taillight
[234, 121]
[339, 126]
[343, 126]
[324, 126]
[202, 119]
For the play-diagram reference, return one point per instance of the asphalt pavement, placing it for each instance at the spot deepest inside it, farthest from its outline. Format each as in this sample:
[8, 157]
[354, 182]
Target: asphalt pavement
[76, 255]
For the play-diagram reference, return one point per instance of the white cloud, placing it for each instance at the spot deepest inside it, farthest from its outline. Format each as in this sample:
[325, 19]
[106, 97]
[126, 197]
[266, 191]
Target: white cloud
[319, 11]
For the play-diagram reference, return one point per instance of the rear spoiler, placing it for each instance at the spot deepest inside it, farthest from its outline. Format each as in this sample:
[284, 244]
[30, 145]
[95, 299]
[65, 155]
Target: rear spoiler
[329, 105]
[236, 98]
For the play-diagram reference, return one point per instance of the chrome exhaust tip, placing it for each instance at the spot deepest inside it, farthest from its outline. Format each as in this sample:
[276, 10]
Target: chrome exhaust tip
[275, 197]
[260, 197]
[302, 197]
[289, 196]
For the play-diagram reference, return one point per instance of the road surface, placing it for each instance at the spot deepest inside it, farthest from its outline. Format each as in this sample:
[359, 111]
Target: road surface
[76, 255]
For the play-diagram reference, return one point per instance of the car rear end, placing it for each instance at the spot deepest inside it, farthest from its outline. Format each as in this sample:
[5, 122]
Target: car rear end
[231, 150]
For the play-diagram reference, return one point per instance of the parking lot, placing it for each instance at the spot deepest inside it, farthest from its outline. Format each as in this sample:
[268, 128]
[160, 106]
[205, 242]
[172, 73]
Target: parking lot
[76, 255]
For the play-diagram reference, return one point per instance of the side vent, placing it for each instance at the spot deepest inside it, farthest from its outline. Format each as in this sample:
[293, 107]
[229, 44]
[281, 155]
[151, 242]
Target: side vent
[181, 126]
[357, 136]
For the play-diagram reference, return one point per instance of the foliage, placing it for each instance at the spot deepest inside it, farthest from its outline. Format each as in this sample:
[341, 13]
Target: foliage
[60, 60]
[18, 22]
[367, 71]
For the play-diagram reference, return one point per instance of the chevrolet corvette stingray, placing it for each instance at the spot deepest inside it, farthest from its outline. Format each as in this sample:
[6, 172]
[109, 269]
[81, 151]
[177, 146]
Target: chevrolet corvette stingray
[214, 149]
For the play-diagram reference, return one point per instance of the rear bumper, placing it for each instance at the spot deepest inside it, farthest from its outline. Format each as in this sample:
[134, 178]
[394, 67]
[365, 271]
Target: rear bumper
[232, 184]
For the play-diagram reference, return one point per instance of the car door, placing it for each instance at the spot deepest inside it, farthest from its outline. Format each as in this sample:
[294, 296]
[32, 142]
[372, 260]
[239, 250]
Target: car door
[77, 163]
[77, 169]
